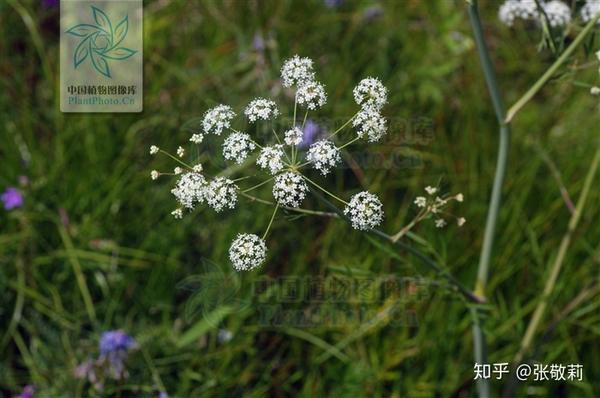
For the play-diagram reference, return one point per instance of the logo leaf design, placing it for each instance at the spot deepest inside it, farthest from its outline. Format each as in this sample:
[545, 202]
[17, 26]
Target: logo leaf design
[121, 31]
[102, 19]
[119, 53]
[81, 52]
[82, 30]
[100, 63]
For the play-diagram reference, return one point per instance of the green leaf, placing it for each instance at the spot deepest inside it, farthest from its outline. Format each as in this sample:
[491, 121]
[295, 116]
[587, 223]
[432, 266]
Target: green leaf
[82, 30]
[100, 63]
[102, 19]
[81, 52]
[210, 321]
[119, 53]
[121, 31]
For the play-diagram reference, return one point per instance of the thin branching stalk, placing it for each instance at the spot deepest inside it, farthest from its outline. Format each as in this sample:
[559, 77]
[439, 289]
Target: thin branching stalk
[454, 283]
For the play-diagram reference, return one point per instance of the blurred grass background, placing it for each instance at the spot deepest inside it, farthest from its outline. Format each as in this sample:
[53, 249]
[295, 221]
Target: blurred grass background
[91, 209]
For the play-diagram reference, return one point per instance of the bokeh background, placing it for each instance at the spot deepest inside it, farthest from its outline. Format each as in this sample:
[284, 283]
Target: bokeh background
[92, 216]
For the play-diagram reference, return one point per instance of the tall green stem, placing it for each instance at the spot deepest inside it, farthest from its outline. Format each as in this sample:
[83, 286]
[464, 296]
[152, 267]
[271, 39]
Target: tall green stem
[550, 72]
[479, 342]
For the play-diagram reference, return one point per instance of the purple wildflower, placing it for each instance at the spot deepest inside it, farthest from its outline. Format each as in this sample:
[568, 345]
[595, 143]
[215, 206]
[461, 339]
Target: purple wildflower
[163, 395]
[50, 3]
[310, 134]
[258, 42]
[116, 340]
[28, 391]
[12, 198]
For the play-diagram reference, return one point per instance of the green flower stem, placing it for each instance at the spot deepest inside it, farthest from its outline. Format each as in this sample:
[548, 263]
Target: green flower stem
[258, 185]
[343, 126]
[294, 126]
[479, 342]
[349, 143]
[279, 142]
[558, 261]
[294, 209]
[271, 222]
[550, 72]
[324, 190]
[304, 120]
[176, 159]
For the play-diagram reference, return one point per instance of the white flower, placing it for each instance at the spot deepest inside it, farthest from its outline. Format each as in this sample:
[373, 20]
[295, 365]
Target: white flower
[180, 152]
[297, 70]
[589, 10]
[271, 157]
[512, 10]
[198, 168]
[595, 91]
[369, 123]
[430, 190]
[558, 13]
[247, 252]
[221, 193]
[261, 108]
[177, 213]
[440, 223]
[217, 119]
[461, 221]
[293, 136]
[237, 147]
[177, 170]
[154, 149]
[197, 138]
[312, 95]
[154, 174]
[421, 201]
[324, 155]
[365, 211]
[189, 189]
[370, 93]
[459, 197]
[289, 189]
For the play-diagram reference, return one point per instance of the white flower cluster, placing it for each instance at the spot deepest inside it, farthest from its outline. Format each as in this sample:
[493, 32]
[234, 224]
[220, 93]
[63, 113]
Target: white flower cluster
[237, 147]
[511, 10]
[293, 136]
[297, 71]
[324, 156]
[189, 189]
[589, 10]
[261, 109]
[312, 95]
[365, 211]
[247, 252]
[435, 205]
[283, 162]
[271, 157]
[371, 95]
[289, 189]
[221, 193]
[557, 13]
[369, 123]
[217, 119]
